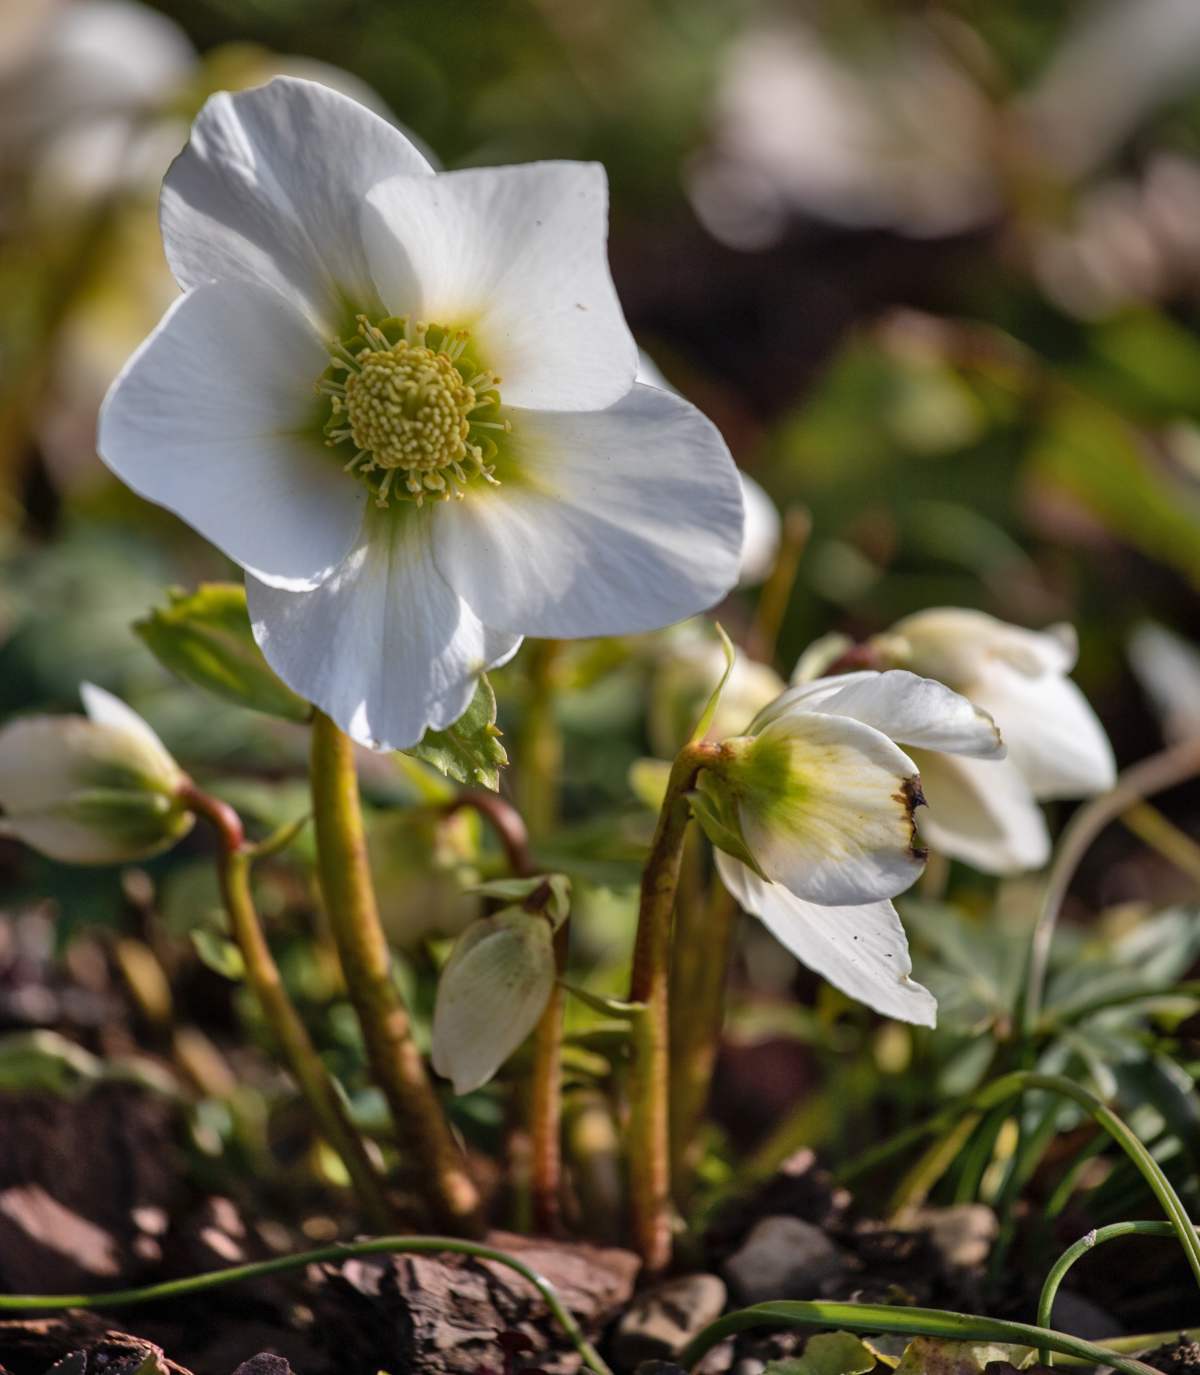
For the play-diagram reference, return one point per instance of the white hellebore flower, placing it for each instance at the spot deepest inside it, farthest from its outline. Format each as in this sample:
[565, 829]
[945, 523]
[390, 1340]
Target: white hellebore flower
[819, 799]
[404, 402]
[99, 789]
[988, 814]
[491, 994]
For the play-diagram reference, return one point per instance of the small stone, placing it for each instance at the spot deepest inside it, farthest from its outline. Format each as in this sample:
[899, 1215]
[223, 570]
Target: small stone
[265, 1363]
[662, 1321]
[962, 1235]
[784, 1258]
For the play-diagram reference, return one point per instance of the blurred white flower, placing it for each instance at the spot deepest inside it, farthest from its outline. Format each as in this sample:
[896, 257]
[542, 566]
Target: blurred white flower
[812, 816]
[689, 663]
[332, 377]
[99, 789]
[901, 127]
[1168, 668]
[988, 814]
[490, 995]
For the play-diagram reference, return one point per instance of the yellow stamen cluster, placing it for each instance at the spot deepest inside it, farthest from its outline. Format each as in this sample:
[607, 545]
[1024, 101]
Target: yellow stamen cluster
[409, 408]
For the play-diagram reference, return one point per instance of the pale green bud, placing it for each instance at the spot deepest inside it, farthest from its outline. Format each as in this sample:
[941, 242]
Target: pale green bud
[95, 789]
[493, 989]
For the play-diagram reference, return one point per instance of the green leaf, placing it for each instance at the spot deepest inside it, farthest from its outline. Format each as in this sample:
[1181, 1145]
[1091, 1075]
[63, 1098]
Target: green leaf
[710, 710]
[827, 1353]
[205, 638]
[934, 1356]
[469, 751]
[46, 1062]
[219, 954]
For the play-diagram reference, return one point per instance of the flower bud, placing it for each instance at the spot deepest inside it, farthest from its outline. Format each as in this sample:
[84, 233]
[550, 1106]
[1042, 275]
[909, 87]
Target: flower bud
[99, 789]
[492, 991]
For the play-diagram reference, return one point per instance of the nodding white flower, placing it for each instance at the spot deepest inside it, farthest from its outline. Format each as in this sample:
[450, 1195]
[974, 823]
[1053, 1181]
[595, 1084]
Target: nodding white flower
[404, 402]
[987, 814]
[94, 789]
[812, 815]
[492, 991]
[763, 527]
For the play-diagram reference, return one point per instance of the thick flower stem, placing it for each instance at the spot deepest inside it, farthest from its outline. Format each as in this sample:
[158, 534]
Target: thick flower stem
[395, 1061]
[703, 945]
[266, 983]
[545, 1112]
[649, 1082]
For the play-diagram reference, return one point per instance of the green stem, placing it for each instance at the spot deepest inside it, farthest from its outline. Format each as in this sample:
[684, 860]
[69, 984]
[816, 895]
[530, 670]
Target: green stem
[1011, 1085]
[395, 1061]
[395, 1245]
[649, 1081]
[1143, 780]
[1096, 1237]
[777, 590]
[266, 983]
[917, 1322]
[703, 945]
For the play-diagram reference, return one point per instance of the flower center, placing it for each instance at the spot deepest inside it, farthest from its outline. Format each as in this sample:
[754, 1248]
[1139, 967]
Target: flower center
[415, 407]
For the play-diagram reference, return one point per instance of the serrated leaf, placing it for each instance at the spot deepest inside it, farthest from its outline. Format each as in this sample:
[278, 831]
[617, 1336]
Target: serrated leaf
[469, 751]
[204, 637]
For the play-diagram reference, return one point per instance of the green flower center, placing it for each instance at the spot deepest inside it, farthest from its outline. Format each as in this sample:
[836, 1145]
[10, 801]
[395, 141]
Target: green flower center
[415, 407]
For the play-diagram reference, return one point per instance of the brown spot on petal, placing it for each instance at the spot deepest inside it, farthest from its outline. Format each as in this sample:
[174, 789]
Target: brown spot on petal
[911, 797]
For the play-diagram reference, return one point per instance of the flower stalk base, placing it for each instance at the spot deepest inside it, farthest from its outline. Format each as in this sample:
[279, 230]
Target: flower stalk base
[395, 1061]
[649, 1082]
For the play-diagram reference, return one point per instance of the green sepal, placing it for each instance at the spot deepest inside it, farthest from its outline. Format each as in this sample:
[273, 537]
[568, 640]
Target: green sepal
[469, 751]
[716, 814]
[517, 891]
[204, 637]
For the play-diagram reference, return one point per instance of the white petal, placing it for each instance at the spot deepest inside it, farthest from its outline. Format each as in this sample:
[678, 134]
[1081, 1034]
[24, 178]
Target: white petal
[982, 812]
[860, 950]
[214, 417]
[831, 815]
[761, 535]
[518, 256]
[269, 190]
[1053, 735]
[907, 709]
[384, 645]
[609, 522]
[109, 711]
[491, 993]
[956, 644]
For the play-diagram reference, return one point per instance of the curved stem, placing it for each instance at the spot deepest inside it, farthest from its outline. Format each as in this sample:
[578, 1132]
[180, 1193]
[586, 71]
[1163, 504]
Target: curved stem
[1010, 1085]
[1143, 780]
[1094, 1238]
[375, 1246]
[650, 1073]
[917, 1322]
[396, 1063]
[266, 983]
